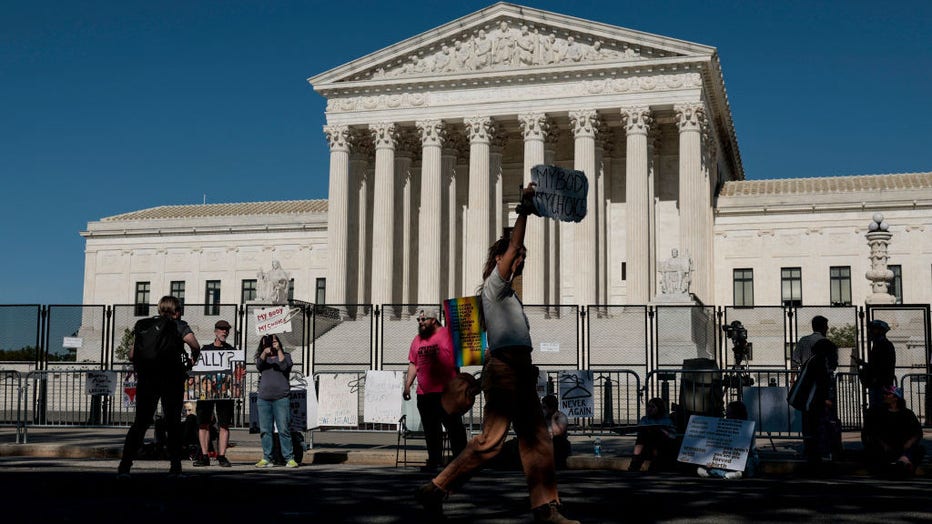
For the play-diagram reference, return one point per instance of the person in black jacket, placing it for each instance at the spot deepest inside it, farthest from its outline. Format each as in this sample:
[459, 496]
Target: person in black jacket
[879, 371]
[821, 410]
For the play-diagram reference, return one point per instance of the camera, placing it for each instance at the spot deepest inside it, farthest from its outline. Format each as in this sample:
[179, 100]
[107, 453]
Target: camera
[738, 335]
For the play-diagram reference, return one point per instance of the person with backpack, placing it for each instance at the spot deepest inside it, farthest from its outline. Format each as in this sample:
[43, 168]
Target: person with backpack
[161, 365]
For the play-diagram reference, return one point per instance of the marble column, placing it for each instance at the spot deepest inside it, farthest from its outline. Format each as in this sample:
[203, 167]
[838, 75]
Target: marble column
[405, 230]
[338, 212]
[653, 170]
[637, 122]
[383, 212]
[430, 256]
[479, 131]
[585, 128]
[496, 150]
[709, 172]
[360, 226]
[552, 235]
[606, 146]
[534, 127]
[448, 261]
[690, 118]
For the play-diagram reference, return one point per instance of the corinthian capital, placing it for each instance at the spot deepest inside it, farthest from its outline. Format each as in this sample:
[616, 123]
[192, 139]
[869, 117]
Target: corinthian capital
[637, 120]
[535, 126]
[338, 137]
[479, 128]
[690, 117]
[433, 132]
[585, 123]
[384, 135]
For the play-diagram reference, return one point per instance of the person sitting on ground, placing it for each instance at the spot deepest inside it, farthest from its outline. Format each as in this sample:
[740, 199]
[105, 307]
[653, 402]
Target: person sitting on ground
[737, 411]
[892, 436]
[656, 439]
[557, 425]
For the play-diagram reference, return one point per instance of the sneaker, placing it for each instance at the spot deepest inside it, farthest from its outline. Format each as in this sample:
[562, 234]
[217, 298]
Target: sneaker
[733, 475]
[702, 472]
[223, 462]
[551, 513]
[292, 464]
[201, 461]
[430, 497]
[264, 464]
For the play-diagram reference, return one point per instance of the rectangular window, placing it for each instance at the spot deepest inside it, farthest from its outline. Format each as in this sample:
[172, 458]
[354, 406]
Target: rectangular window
[840, 284]
[791, 286]
[320, 296]
[212, 298]
[177, 291]
[895, 287]
[624, 271]
[743, 286]
[248, 292]
[142, 299]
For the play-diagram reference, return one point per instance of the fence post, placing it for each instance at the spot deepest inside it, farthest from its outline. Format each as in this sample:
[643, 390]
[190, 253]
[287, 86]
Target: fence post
[608, 408]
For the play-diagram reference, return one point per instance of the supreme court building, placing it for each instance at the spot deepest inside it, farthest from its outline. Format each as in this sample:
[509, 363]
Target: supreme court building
[431, 138]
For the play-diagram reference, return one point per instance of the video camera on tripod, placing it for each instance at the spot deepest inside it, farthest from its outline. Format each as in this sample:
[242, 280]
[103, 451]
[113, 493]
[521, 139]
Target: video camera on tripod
[738, 334]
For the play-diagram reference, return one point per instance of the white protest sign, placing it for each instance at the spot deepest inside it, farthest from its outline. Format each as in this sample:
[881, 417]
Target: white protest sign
[576, 398]
[560, 193]
[272, 320]
[717, 442]
[214, 359]
[100, 382]
[72, 342]
[339, 400]
[382, 400]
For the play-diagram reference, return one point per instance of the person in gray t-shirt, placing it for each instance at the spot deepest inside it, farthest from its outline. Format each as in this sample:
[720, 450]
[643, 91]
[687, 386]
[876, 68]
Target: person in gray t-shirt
[509, 385]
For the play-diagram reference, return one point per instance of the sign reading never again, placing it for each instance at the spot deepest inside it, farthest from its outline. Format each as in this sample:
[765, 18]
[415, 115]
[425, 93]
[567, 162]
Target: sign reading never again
[560, 193]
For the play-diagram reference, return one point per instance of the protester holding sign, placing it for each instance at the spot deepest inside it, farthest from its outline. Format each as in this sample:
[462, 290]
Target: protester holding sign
[222, 404]
[509, 385]
[430, 360]
[274, 365]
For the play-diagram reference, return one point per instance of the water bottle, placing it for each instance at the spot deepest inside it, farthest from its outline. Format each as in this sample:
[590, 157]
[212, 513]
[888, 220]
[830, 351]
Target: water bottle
[597, 448]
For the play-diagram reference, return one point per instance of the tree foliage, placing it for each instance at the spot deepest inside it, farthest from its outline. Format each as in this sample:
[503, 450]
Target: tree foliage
[126, 342]
[843, 336]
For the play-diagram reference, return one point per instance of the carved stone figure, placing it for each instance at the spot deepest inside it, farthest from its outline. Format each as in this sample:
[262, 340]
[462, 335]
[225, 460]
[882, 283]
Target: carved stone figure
[482, 51]
[675, 274]
[272, 286]
[574, 51]
[526, 46]
[504, 46]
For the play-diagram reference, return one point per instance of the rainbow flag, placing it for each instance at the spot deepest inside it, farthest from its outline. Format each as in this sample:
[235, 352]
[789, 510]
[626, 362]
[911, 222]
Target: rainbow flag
[467, 329]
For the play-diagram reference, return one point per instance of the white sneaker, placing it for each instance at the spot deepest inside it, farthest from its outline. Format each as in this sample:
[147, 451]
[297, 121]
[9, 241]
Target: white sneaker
[733, 475]
[702, 472]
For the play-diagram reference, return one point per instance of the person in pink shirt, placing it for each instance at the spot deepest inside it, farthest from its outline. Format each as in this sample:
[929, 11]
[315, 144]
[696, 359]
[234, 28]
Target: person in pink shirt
[431, 361]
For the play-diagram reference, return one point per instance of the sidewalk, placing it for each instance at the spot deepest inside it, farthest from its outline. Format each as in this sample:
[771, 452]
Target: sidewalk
[778, 457]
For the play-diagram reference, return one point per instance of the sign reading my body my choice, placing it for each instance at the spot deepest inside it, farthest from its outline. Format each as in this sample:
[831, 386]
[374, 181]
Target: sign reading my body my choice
[560, 193]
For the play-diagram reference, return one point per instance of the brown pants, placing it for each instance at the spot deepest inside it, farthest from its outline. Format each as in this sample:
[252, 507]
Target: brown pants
[510, 391]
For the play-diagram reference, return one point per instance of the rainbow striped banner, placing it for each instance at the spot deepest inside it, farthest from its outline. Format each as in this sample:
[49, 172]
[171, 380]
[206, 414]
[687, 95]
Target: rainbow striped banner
[467, 329]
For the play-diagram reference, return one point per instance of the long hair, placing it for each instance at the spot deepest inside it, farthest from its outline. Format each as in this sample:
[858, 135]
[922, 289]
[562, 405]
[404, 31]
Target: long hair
[661, 406]
[495, 250]
[266, 342]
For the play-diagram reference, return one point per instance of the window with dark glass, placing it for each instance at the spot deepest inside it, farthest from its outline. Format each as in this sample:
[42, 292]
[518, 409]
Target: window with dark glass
[177, 291]
[791, 286]
[320, 295]
[142, 299]
[840, 285]
[212, 298]
[895, 287]
[743, 287]
[248, 291]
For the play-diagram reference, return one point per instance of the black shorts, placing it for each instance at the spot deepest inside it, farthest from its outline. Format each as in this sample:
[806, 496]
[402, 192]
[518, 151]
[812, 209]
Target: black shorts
[205, 409]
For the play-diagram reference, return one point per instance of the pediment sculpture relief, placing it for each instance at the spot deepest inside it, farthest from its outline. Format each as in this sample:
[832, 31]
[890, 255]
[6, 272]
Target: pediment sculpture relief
[507, 46]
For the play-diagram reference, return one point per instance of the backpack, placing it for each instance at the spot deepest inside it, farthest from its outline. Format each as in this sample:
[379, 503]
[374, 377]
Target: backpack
[802, 392]
[157, 344]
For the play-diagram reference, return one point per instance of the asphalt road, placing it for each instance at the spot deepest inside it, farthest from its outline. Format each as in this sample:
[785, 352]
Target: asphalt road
[86, 490]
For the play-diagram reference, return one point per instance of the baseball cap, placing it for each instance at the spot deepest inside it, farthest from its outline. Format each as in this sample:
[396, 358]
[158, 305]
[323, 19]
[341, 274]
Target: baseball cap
[879, 324]
[222, 324]
[893, 390]
[428, 312]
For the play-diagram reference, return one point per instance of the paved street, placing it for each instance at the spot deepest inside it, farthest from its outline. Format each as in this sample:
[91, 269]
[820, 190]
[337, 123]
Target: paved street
[71, 490]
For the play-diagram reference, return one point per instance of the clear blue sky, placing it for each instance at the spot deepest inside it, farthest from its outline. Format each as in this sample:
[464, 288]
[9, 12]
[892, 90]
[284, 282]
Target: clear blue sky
[113, 106]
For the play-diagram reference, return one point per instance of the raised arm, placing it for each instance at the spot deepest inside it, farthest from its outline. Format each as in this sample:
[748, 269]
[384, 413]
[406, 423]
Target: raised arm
[508, 262]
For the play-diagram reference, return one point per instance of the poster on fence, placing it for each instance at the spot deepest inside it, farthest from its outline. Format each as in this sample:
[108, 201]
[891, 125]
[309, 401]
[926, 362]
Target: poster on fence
[382, 399]
[464, 320]
[100, 383]
[717, 442]
[217, 359]
[338, 400]
[560, 193]
[272, 320]
[303, 410]
[576, 387]
[129, 390]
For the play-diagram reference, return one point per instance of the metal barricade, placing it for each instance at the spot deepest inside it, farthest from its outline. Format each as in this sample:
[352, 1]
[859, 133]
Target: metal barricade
[916, 394]
[11, 401]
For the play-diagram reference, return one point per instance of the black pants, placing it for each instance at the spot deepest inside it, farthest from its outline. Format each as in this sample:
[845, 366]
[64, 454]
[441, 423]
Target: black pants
[432, 416]
[150, 388]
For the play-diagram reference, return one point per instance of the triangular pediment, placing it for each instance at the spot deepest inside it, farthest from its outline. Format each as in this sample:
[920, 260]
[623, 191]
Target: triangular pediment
[506, 37]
